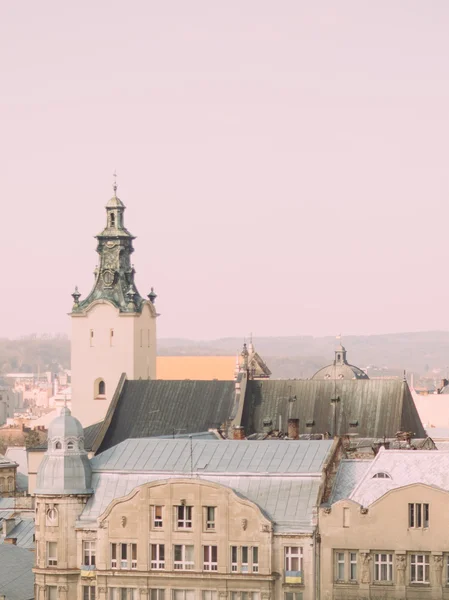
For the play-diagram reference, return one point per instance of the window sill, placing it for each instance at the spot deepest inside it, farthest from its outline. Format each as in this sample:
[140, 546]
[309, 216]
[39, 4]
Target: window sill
[100, 397]
[382, 583]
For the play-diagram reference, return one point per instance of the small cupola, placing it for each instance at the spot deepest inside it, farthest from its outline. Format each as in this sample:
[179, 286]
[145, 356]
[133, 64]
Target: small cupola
[65, 468]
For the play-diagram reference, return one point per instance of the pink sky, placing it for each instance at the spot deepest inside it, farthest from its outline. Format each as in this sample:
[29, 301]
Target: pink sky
[284, 164]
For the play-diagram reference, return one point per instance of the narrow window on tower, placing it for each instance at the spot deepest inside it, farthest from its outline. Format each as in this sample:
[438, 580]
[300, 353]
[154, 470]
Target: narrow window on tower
[112, 220]
[111, 337]
[101, 388]
[91, 337]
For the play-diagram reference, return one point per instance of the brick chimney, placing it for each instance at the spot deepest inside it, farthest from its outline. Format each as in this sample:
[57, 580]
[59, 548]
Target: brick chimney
[12, 541]
[239, 433]
[293, 429]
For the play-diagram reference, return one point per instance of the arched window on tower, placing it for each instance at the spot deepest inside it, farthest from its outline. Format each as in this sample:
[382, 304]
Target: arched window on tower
[112, 220]
[102, 388]
[58, 446]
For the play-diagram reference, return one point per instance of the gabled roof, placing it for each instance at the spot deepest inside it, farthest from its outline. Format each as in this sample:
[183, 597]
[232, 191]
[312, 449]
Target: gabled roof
[23, 532]
[282, 477]
[371, 408]
[154, 408]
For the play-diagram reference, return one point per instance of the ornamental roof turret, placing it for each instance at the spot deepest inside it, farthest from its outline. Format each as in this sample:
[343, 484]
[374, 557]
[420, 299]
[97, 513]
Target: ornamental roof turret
[114, 276]
[65, 468]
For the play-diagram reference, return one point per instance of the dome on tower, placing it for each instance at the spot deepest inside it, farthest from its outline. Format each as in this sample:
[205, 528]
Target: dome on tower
[340, 368]
[115, 202]
[65, 468]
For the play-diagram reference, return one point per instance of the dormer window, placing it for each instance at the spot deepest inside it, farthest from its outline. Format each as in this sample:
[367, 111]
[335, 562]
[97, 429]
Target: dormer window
[58, 446]
[70, 446]
[112, 220]
[381, 475]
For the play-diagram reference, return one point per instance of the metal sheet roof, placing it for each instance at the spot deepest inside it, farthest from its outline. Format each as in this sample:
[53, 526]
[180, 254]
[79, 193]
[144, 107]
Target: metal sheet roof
[155, 408]
[16, 576]
[282, 477]
[381, 407]
[348, 475]
[23, 532]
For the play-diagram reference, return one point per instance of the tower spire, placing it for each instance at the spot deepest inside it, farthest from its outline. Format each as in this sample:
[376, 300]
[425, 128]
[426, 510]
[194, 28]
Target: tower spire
[114, 185]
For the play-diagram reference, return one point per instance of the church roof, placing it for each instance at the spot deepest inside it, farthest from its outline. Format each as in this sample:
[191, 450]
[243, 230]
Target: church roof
[344, 371]
[155, 407]
[370, 408]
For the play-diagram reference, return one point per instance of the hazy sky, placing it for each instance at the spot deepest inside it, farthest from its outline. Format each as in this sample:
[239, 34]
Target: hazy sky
[284, 163]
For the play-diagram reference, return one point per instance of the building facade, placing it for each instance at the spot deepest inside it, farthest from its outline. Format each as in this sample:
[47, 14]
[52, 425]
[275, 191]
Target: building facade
[177, 519]
[114, 327]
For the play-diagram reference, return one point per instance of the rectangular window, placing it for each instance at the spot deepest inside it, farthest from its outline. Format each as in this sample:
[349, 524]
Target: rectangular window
[418, 515]
[133, 556]
[210, 518]
[157, 556]
[184, 557]
[157, 594]
[52, 554]
[210, 562]
[183, 594]
[123, 556]
[234, 559]
[209, 595]
[89, 554]
[113, 556]
[184, 517]
[88, 592]
[244, 566]
[353, 566]
[419, 568]
[255, 559]
[346, 517]
[340, 564]
[293, 558]
[157, 517]
[383, 567]
[293, 596]
[122, 593]
[52, 592]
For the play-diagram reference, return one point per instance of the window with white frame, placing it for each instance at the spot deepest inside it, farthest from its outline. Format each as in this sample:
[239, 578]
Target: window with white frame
[183, 557]
[418, 515]
[383, 566]
[157, 517]
[209, 595]
[123, 556]
[89, 553]
[419, 568]
[52, 554]
[183, 594]
[209, 518]
[345, 565]
[293, 558]
[157, 594]
[210, 558]
[255, 559]
[244, 567]
[157, 556]
[88, 592]
[234, 559]
[184, 516]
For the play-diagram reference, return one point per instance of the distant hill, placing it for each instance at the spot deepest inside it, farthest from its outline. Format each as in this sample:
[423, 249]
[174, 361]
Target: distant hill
[423, 353]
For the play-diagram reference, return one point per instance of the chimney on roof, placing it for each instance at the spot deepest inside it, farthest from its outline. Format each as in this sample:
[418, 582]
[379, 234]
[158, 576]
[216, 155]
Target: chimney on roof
[8, 525]
[12, 541]
[293, 429]
[239, 433]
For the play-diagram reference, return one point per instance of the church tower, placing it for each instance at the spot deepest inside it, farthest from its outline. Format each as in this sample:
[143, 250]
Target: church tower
[113, 328]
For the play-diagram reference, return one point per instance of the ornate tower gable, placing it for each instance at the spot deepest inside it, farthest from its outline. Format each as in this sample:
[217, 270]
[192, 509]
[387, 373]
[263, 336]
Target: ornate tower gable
[114, 276]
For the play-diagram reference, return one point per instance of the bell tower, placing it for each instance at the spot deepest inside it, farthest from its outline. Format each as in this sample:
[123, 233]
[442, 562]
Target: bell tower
[114, 327]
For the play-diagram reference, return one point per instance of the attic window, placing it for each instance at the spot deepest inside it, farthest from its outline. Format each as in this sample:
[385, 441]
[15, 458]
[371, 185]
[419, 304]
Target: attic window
[381, 475]
[353, 423]
[58, 446]
[310, 423]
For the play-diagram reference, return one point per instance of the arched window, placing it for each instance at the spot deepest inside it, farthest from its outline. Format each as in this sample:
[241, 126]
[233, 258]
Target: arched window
[112, 220]
[381, 475]
[58, 446]
[102, 388]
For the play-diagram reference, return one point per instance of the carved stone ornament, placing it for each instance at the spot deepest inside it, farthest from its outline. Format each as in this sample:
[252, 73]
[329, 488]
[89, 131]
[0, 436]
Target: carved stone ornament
[401, 562]
[42, 588]
[366, 559]
[123, 521]
[102, 590]
[438, 561]
[266, 595]
[327, 510]
[103, 525]
[265, 528]
[364, 511]
[143, 591]
[62, 588]
[244, 523]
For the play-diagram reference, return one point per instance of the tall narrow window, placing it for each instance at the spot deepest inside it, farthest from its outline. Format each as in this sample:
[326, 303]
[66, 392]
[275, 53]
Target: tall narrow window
[255, 559]
[346, 516]
[353, 566]
[157, 556]
[133, 556]
[184, 516]
[234, 559]
[89, 592]
[245, 559]
[102, 388]
[113, 556]
[340, 564]
[157, 517]
[210, 562]
[52, 554]
[89, 553]
[157, 594]
[123, 556]
[112, 220]
[52, 592]
[210, 518]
